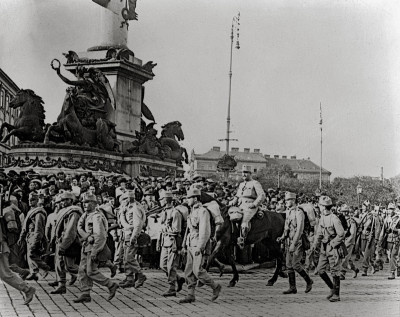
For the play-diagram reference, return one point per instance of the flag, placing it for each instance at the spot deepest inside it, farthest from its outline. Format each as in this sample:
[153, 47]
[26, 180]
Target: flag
[320, 114]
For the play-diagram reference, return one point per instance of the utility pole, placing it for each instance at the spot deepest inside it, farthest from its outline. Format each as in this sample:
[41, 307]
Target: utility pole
[320, 165]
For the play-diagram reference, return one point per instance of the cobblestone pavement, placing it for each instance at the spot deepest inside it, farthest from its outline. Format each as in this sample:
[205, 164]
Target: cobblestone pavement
[374, 295]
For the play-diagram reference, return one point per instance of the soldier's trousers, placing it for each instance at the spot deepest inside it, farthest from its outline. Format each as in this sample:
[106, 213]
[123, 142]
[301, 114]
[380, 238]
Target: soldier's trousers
[293, 259]
[347, 260]
[169, 263]
[33, 258]
[64, 264]
[131, 263]
[394, 252]
[329, 256]
[369, 254]
[248, 213]
[10, 277]
[119, 253]
[194, 271]
[89, 273]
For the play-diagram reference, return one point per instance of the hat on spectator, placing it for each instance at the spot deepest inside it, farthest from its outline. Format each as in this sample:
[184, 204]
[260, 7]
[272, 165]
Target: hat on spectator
[67, 195]
[165, 194]
[50, 176]
[37, 181]
[289, 195]
[325, 201]
[197, 177]
[193, 192]
[90, 198]
[391, 206]
[344, 207]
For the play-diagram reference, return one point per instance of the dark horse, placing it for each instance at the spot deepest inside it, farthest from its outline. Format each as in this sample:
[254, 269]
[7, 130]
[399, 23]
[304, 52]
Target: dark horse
[265, 230]
[29, 126]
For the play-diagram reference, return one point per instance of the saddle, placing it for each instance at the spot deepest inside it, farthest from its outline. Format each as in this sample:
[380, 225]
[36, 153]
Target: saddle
[236, 214]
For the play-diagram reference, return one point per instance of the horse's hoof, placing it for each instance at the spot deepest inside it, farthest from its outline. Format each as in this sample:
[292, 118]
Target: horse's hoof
[221, 270]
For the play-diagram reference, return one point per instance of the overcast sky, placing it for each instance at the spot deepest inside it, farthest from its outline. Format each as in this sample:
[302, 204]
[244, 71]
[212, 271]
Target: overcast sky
[293, 55]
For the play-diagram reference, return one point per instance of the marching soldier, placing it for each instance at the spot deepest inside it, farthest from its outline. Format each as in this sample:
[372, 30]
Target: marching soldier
[66, 242]
[294, 227]
[197, 243]
[132, 220]
[350, 240]
[33, 230]
[249, 195]
[330, 236]
[92, 229]
[390, 235]
[172, 222]
[6, 274]
[369, 236]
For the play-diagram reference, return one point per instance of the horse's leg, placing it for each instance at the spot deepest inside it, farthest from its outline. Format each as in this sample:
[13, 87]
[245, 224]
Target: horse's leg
[231, 261]
[276, 250]
[213, 254]
[9, 135]
[221, 267]
[9, 128]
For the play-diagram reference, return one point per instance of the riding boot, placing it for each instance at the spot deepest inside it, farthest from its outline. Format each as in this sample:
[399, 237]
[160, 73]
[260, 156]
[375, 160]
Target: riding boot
[292, 284]
[308, 280]
[336, 297]
[328, 282]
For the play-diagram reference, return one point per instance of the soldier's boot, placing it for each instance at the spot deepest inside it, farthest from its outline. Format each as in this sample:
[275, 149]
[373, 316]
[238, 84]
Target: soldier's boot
[328, 282]
[140, 281]
[354, 269]
[73, 279]
[60, 290]
[29, 293]
[113, 270]
[127, 283]
[292, 284]
[392, 276]
[398, 272]
[112, 290]
[336, 294]
[180, 281]
[32, 277]
[53, 284]
[187, 299]
[84, 298]
[216, 292]
[23, 273]
[365, 272]
[243, 235]
[308, 280]
[171, 292]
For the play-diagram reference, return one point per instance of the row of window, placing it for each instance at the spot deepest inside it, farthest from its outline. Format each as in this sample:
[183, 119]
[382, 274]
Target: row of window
[6, 113]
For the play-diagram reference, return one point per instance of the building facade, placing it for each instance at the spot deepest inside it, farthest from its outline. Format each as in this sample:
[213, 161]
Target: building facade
[206, 164]
[8, 90]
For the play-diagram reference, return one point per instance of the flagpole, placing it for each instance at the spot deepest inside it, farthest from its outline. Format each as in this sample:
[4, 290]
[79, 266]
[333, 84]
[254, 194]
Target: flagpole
[320, 165]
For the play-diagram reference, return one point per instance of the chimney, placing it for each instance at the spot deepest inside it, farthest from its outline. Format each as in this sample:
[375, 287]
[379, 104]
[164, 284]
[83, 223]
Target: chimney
[216, 148]
[293, 157]
[246, 150]
[276, 156]
[235, 149]
[256, 150]
[267, 156]
[284, 156]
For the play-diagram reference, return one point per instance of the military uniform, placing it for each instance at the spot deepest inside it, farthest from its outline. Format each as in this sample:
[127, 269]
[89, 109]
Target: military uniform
[92, 229]
[6, 274]
[33, 232]
[371, 227]
[350, 241]
[198, 245]
[66, 236]
[132, 222]
[172, 222]
[294, 227]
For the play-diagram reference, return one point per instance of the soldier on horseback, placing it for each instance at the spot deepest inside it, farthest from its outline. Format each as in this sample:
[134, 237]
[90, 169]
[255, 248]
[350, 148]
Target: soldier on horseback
[249, 196]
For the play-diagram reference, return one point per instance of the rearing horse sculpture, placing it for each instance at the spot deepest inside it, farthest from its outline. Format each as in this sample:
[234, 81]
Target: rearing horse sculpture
[170, 144]
[29, 126]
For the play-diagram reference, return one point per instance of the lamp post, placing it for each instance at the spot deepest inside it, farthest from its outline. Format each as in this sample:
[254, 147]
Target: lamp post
[359, 191]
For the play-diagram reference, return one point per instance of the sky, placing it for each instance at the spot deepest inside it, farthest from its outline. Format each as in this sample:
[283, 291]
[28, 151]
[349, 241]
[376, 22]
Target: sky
[294, 55]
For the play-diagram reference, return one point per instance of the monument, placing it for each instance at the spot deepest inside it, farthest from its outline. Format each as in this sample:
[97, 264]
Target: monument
[102, 123]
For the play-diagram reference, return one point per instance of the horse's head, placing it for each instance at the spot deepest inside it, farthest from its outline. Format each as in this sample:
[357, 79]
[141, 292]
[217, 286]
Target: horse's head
[23, 96]
[173, 129]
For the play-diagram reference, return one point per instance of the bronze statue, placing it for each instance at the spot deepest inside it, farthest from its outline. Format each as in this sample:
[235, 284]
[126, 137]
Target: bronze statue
[29, 126]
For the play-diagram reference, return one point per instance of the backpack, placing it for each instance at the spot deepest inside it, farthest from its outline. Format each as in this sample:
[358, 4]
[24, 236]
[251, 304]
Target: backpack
[345, 225]
[183, 210]
[307, 224]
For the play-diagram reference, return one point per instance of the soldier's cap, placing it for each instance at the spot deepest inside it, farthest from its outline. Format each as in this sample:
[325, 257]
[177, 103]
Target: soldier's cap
[67, 195]
[90, 198]
[33, 194]
[37, 181]
[289, 195]
[245, 169]
[366, 203]
[165, 194]
[391, 206]
[193, 192]
[325, 201]
[344, 207]
[197, 177]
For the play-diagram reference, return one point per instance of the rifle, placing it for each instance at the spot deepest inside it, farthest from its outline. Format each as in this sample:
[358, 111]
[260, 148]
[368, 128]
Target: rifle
[153, 211]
